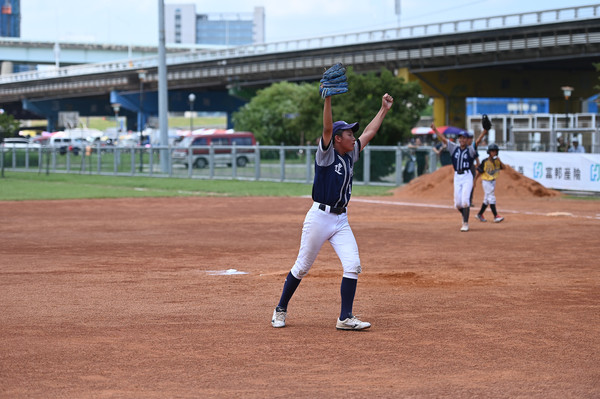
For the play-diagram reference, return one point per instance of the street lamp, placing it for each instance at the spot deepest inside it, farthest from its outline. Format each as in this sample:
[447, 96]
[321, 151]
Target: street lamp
[567, 90]
[142, 77]
[116, 107]
[191, 99]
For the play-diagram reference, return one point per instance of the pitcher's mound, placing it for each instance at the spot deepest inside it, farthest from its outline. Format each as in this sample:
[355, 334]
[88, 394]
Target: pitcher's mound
[439, 185]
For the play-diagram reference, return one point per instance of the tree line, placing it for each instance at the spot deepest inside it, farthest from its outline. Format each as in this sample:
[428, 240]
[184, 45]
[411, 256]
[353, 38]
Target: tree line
[292, 113]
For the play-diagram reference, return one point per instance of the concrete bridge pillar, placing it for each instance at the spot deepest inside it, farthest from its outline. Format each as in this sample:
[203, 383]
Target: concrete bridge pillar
[449, 105]
[6, 68]
[439, 111]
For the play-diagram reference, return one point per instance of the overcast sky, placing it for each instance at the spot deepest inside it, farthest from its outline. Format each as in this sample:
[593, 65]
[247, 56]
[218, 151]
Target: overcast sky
[136, 21]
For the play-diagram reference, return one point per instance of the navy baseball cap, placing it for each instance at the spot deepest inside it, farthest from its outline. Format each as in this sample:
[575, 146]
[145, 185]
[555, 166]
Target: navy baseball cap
[340, 126]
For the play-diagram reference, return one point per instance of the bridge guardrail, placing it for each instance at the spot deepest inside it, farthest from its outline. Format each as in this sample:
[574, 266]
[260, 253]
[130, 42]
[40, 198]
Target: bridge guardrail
[392, 33]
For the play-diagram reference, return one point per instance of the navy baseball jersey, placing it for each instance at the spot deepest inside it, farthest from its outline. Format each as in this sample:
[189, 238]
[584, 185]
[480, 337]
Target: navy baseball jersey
[333, 175]
[461, 159]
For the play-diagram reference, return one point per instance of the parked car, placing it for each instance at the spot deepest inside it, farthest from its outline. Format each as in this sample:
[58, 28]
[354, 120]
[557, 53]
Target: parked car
[18, 142]
[64, 144]
[41, 140]
[222, 142]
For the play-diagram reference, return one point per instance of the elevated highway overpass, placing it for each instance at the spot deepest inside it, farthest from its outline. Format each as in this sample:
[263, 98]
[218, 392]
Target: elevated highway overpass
[519, 55]
[27, 52]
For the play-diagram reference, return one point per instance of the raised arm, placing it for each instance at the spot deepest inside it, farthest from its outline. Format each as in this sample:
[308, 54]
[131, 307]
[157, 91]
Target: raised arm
[478, 141]
[327, 122]
[440, 135]
[373, 126]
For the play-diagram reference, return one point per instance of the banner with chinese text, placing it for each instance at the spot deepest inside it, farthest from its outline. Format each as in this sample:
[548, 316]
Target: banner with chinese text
[557, 170]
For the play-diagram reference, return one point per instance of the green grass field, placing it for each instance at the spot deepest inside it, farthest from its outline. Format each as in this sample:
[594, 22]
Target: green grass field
[16, 186]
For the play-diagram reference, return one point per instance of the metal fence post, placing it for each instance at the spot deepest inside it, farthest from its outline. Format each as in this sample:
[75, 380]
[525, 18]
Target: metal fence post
[189, 163]
[398, 165]
[151, 160]
[99, 155]
[115, 156]
[68, 160]
[82, 166]
[308, 163]
[234, 161]
[367, 165]
[169, 160]
[256, 162]
[282, 163]
[211, 160]
[432, 161]
[40, 159]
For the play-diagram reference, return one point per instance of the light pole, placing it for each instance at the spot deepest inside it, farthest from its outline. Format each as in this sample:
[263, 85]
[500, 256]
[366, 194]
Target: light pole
[191, 99]
[142, 77]
[116, 107]
[567, 90]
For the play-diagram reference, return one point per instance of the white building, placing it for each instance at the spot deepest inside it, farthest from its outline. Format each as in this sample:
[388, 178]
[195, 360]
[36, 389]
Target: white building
[183, 25]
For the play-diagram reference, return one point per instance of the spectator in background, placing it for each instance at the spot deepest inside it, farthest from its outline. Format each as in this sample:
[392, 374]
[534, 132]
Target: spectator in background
[442, 152]
[575, 147]
[562, 146]
[421, 156]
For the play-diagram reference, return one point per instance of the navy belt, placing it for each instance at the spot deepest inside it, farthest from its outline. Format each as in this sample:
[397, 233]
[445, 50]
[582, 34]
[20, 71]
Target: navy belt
[462, 171]
[332, 209]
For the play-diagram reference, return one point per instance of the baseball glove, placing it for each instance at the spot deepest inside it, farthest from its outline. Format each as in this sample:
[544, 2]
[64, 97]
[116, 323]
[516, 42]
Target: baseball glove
[485, 122]
[334, 81]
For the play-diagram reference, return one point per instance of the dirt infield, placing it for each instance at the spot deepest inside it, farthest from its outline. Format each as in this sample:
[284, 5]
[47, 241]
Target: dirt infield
[123, 298]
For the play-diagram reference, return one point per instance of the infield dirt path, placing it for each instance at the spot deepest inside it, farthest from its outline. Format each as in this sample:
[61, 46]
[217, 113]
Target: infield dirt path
[117, 298]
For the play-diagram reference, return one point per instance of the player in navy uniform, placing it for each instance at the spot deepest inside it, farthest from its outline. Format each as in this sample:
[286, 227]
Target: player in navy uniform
[327, 219]
[463, 157]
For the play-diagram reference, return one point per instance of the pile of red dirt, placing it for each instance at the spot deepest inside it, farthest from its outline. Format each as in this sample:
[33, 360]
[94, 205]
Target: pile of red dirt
[439, 185]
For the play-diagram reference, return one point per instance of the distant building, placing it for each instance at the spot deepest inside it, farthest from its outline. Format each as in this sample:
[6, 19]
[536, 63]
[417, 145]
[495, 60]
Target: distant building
[10, 18]
[183, 25]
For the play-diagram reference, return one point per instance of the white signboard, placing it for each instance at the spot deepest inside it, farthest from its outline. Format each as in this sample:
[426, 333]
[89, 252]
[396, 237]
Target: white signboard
[68, 120]
[557, 170]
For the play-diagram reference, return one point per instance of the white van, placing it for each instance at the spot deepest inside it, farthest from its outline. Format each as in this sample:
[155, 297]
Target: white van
[64, 144]
[221, 141]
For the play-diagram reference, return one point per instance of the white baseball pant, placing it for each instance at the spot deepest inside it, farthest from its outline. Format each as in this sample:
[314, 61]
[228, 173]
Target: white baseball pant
[320, 226]
[489, 191]
[463, 184]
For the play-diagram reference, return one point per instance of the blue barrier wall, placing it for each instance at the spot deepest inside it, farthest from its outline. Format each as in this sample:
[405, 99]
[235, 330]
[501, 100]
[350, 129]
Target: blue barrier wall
[484, 105]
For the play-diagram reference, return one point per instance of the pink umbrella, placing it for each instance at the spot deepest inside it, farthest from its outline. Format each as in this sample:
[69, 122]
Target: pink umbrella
[446, 130]
[421, 130]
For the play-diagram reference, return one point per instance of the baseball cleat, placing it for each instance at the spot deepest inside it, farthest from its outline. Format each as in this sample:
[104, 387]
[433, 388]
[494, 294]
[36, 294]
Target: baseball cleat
[481, 218]
[465, 227]
[498, 219]
[352, 323]
[278, 319]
